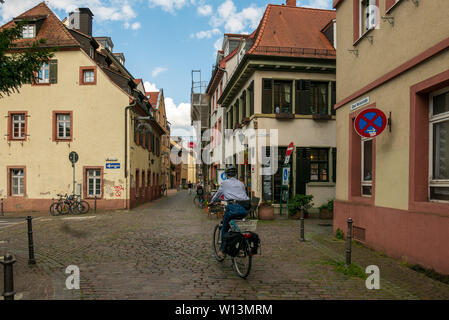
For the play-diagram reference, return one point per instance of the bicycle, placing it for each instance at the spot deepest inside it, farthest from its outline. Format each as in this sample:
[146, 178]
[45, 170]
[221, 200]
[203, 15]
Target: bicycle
[243, 260]
[69, 205]
[199, 201]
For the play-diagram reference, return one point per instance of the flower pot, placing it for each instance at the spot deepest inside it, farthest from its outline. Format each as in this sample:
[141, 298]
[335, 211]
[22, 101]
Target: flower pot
[326, 214]
[266, 212]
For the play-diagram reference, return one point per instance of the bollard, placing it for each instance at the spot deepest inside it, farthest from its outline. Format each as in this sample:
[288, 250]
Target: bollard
[348, 246]
[95, 204]
[8, 284]
[31, 259]
[302, 239]
[2, 207]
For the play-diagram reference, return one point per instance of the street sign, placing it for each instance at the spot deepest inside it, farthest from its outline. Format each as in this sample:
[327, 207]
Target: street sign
[370, 123]
[112, 165]
[73, 157]
[285, 176]
[288, 153]
[221, 176]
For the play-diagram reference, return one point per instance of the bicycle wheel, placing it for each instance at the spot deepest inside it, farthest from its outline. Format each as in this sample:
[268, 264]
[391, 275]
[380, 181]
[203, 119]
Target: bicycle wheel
[75, 207]
[62, 208]
[216, 242]
[242, 262]
[85, 207]
[53, 209]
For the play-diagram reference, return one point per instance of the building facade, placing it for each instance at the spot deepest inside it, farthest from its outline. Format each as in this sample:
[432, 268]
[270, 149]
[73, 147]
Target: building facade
[395, 187]
[82, 100]
[284, 80]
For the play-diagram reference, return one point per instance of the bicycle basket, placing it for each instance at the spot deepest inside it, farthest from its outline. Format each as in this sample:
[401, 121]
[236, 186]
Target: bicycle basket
[247, 225]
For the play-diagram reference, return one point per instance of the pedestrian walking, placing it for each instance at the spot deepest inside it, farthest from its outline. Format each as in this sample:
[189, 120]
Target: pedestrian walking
[189, 186]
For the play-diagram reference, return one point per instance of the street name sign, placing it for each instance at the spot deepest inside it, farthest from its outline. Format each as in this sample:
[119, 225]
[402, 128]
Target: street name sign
[112, 165]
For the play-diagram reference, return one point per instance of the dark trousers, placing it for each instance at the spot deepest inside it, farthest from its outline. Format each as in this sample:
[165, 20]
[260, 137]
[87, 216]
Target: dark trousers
[233, 211]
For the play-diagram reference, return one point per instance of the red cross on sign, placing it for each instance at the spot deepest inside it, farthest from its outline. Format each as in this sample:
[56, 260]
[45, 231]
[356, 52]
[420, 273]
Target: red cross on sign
[370, 123]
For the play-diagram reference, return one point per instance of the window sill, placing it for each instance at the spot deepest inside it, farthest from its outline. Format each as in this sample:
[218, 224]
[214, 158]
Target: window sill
[363, 36]
[320, 117]
[88, 83]
[63, 140]
[40, 84]
[18, 139]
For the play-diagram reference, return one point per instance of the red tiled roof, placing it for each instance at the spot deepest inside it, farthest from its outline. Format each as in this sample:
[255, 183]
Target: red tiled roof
[52, 29]
[293, 31]
[153, 97]
[137, 81]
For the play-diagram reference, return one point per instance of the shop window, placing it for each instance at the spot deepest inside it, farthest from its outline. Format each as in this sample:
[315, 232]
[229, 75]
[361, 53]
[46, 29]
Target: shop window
[439, 146]
[367, 167]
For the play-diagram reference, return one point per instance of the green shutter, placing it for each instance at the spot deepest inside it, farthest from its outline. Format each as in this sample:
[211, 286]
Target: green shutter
[334, 164]
[251, 99]
[53, 64]
[267, 96]
[333, 97]
[302, 169]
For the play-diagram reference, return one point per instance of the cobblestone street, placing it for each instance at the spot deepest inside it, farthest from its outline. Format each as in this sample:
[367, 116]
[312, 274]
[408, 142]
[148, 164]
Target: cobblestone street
[163, 251]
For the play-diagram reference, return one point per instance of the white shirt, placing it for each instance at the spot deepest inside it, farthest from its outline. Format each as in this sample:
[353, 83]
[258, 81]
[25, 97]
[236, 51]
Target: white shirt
[231, 189]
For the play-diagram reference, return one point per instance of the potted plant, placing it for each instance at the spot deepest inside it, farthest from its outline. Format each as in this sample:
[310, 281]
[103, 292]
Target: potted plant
[327, 210]
[298, 203]
[266, 211]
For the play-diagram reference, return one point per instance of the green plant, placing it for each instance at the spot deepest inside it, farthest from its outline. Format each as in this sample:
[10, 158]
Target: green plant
[353, 270]
[328, 206]
[300, 202]
[339, 234]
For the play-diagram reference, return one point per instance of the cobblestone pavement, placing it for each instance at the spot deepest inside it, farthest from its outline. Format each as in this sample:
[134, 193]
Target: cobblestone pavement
[162, 250]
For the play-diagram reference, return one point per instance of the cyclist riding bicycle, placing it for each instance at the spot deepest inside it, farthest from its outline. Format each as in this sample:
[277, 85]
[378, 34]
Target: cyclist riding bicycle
[233, 191]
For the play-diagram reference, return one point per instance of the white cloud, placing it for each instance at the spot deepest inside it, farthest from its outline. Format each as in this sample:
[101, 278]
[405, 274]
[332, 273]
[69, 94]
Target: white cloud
[168, 5]
[150, 87]
[179, 117]
[158, 70]
[235, 21]
[218, 44]
[207, 33]
[205, 10]
[135, 25]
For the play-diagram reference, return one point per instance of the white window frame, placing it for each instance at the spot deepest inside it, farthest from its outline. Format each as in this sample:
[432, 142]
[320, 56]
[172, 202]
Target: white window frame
[91, 176]
[45, 67]
[441, 183]
[88, 78]
[29, 31]
[65, 124]
[365, 183]
[21, 123]
[20, 180]
[362, 29]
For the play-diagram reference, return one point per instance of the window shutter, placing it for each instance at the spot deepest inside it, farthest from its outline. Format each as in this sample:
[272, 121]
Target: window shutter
[267, 96]
[302, 169]
[53, 65]
[251, 99]
[333, 97]
[334, 164]
[303, 97]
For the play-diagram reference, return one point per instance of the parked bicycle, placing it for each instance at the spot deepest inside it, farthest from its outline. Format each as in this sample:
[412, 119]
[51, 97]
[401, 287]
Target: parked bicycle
[69, 205]
[243, 245]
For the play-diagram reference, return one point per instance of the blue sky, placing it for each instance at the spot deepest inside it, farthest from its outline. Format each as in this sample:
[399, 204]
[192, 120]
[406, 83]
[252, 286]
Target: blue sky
[163, 40]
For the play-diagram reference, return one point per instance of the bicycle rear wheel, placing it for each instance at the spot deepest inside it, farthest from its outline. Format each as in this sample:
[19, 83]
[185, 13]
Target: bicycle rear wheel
[242, 262]
[216, 242]
[63, 208]
[83, 206]
[53, 209]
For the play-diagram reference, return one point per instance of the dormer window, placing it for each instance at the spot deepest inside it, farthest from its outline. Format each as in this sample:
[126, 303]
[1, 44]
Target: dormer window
[29, 31]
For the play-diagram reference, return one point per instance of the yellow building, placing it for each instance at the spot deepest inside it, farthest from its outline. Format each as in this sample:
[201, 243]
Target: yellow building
[393, 56]
[84, 101]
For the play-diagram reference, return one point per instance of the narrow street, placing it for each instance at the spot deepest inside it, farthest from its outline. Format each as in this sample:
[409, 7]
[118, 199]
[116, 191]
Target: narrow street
[163, 251]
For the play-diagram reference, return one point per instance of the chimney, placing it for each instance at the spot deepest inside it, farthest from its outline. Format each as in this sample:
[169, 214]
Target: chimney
[291, 3]
[81, 20]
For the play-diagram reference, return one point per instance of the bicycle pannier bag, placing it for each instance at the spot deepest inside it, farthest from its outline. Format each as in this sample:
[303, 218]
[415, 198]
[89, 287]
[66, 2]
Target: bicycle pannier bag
[231, 241]
[254, 242]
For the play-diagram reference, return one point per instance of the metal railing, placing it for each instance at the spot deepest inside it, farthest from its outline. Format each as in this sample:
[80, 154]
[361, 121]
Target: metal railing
[293, 51]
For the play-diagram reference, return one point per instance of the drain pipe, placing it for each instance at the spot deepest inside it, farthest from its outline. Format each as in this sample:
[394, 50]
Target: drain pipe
[133, 104]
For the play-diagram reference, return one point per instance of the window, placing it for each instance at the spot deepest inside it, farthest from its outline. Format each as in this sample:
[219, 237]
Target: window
[28, 31]
[18, 124]
[17, 182]
[312, 97]
[368, 18]
[43, 75]
[63, 124]
[319, 165]
[94, 183]
[439, 146]
[282, 96]
[88, 75]
[367, 167]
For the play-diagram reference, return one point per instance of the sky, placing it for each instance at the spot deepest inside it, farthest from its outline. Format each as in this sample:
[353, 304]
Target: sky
[164, 40]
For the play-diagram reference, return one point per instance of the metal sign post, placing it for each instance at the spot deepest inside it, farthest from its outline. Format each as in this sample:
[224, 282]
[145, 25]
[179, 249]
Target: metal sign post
[285, 178]
[73, 157]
